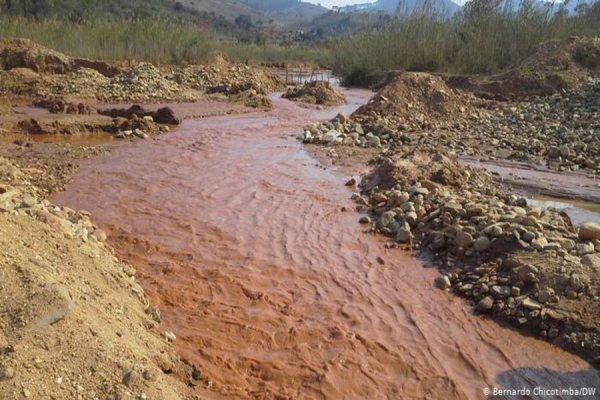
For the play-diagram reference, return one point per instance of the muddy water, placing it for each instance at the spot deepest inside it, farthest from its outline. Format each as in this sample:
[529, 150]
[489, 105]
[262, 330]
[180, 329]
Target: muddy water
[274, 292]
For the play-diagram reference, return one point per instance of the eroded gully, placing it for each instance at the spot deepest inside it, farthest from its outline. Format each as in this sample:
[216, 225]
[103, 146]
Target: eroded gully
[238, 236]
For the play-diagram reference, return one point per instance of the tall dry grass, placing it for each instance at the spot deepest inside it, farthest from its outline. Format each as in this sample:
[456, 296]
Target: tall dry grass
[482, 39]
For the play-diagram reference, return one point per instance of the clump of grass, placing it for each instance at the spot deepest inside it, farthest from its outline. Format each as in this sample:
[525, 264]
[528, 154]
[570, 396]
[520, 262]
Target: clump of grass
[485, 37]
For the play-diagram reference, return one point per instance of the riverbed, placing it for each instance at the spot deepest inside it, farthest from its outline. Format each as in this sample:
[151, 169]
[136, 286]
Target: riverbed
[240, 238]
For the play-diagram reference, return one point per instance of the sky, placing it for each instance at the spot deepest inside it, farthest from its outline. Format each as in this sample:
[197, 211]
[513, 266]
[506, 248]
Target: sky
[331, 3]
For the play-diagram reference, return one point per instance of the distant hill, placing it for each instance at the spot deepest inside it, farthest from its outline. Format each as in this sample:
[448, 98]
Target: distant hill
[445, 7]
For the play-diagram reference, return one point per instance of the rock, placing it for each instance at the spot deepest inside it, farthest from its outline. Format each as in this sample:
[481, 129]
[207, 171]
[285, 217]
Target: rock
[589, 231]
[591, 261]
[525, 273]
[515, 291]
[482, 244]
[330, 137]
[463, 239]
[374, 141]
[6, 373]
[531, 304]
[442, 282]
[129, 270]
[404, 235]
[130, 378]
[385, 219]
[342, 118]
[411, 218]
[351, 182]
[584, 249]
[485, 304]
[100, 235]
[528, 236]
[365, 219]
[564, 151]
[500, 292]
[545, 295]
[50, 305]
[540, 243]
[166, 115]
[170, 336]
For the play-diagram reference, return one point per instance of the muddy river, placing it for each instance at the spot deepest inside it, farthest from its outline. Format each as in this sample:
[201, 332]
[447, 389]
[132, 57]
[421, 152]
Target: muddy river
[238, 236]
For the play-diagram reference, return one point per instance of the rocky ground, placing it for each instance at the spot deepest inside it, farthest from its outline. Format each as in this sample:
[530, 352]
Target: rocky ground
[522, 265]
[75, 324]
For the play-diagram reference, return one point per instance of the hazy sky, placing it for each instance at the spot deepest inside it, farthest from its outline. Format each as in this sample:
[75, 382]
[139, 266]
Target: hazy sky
[330, 3]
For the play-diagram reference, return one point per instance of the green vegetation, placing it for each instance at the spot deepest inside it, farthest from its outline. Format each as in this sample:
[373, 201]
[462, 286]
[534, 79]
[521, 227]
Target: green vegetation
[154, 40]
[277, 54]
[485, 38]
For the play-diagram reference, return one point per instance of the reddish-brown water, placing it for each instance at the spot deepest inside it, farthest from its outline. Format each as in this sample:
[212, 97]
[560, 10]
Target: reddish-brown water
[274, 292]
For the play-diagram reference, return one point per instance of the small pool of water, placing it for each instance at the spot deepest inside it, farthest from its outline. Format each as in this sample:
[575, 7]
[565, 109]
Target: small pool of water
[578, 211]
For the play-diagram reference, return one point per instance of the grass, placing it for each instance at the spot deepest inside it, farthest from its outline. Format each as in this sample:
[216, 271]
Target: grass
[160, 41]
[154, 40]
[483, 39]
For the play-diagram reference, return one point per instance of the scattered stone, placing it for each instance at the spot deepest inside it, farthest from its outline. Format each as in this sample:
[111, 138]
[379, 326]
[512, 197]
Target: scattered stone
[485, 304]
[130, 378]
[482, 244]
[442, 282]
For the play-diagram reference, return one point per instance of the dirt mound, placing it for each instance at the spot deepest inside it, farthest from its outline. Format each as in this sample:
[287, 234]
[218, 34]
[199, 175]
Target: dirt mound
[415, 166]
[413, 101]
[84, 82]
[24, 53]
[226, 77]
[316, 92]
[142, 82]
[252, 99]
[555, 65]
[75, 322]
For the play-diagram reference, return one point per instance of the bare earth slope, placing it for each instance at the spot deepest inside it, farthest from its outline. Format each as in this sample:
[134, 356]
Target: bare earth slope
[72, 319]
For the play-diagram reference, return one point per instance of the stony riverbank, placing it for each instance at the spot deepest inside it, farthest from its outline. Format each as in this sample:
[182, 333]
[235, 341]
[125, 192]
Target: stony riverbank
[522, 265]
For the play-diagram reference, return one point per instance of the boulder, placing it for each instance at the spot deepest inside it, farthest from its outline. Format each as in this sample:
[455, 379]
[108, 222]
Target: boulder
[589, 231]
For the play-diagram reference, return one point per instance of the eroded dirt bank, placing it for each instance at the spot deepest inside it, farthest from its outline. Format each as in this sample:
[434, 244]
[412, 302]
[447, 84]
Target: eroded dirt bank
[239, 238]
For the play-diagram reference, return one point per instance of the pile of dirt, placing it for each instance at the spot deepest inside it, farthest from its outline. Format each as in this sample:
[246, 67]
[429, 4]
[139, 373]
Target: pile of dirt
[525, 265]
[316, 92]
[227, 77]
[25, 53]
[75, 323]
[252, 99]
[555, 65]
[22, 82]
[144, 82]
[83, 82]
[413, 101]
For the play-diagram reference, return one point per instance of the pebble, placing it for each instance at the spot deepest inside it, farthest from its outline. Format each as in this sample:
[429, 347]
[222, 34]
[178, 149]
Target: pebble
[482, 244]
[442, 282]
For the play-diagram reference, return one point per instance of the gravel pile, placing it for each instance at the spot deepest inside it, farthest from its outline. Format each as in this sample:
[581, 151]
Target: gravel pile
[561, 130]
[522, 264]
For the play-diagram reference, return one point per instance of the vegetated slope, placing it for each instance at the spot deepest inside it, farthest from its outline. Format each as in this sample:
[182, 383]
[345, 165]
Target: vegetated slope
[444, 7]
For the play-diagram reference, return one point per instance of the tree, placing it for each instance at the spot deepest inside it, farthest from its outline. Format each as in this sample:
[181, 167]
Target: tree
[244, 22]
